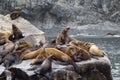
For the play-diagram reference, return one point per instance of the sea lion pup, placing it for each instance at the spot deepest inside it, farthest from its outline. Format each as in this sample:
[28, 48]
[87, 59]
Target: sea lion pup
[63, 37]
[17, 34]
[14, 15]
[90, 47]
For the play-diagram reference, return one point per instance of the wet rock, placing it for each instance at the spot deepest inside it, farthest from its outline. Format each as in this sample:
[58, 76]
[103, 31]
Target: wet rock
[94, 69]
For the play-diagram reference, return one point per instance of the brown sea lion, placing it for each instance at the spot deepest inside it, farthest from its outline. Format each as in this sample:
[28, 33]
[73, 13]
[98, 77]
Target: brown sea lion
[63, 37]
[59, 55]
[17, 34]
[21, 48]
[90, 47]
[14, 15]
[76, 53]
[5, 35]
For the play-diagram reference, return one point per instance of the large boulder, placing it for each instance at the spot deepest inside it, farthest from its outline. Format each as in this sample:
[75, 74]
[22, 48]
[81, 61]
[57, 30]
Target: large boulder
[31, 33]
[93, 69]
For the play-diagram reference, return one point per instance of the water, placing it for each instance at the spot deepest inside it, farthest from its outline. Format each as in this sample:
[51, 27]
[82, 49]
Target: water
[111, 46]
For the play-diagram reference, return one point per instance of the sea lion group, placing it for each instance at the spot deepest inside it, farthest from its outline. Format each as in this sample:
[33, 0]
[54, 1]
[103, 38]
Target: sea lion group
[64, 48]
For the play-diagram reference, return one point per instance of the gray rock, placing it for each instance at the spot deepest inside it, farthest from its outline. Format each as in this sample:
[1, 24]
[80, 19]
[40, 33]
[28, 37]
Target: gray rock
[93, 69]
[31, 33]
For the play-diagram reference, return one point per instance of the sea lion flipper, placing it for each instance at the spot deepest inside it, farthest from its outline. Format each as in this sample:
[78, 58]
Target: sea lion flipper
[76, 68]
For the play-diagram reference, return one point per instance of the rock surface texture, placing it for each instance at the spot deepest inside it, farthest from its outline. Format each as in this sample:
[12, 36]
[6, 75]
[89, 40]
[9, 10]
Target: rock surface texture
[98, 68]
[31, 33]
[94, 69]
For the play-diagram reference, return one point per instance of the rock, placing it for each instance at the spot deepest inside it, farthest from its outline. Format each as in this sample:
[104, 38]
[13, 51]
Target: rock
[31, 33]
[94, 69]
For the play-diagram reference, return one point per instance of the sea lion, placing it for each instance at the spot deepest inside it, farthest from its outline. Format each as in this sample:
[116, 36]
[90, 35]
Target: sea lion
[17, 34]
[76, 53]
[21, 48]
[45, 66]
[59, 55]
[50, 44]
[39, 61]
[14, 15]
[63, 37]
[7, 48]
[5, 35]
[90, 47]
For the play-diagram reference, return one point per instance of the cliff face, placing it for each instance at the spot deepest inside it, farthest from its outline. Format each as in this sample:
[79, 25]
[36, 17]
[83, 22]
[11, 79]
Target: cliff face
[89, 16]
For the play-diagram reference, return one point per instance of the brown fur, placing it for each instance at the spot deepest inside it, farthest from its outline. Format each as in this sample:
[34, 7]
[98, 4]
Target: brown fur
[59, 55]
[17, 34]
[14, 15]
[5, 35]
[20, 49]
[23, 48]
[90, 47]
[63, 37]
[76, 53]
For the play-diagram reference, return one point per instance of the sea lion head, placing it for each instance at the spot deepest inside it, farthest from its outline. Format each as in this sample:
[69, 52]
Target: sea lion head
[23, 44]
[65, 30]
[14, 15]
[16, 32]
[14, 27]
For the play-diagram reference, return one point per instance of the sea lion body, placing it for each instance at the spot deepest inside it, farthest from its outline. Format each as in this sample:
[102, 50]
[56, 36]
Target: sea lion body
[7, 48]
[48, 51]
[63, 37]
[45, 66]
[76, 53]
[15, 54]
[14, 15]
[90, 47]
